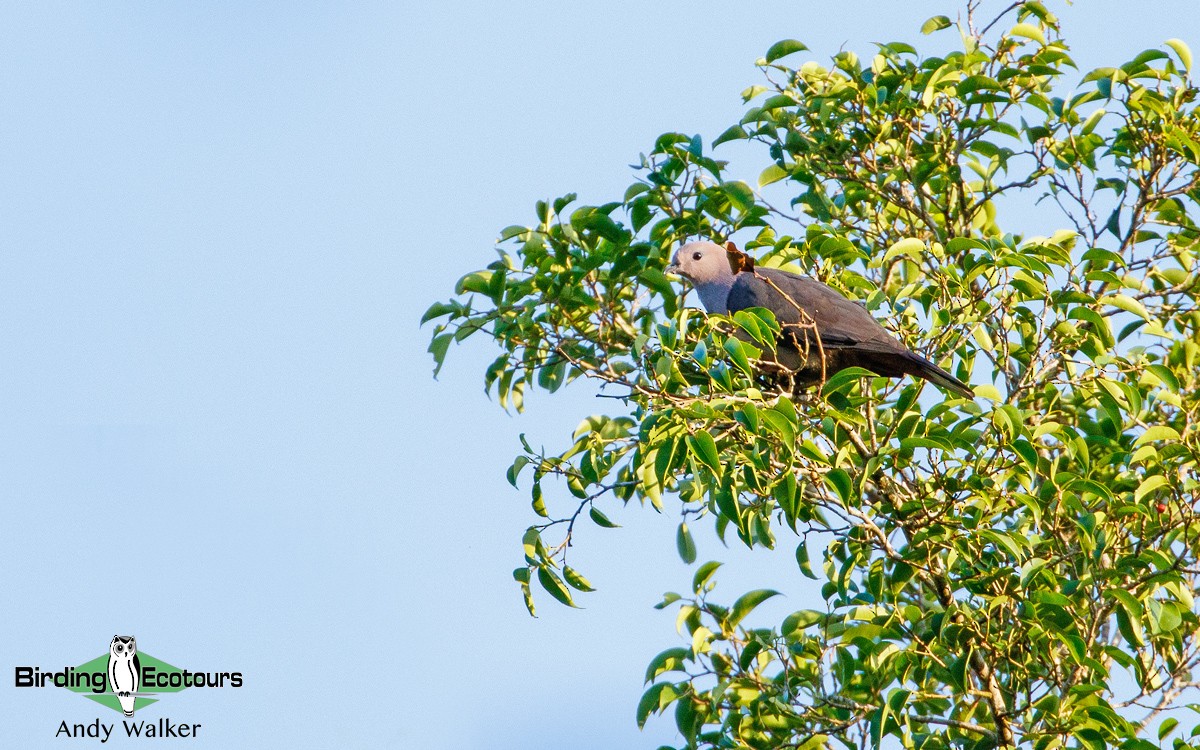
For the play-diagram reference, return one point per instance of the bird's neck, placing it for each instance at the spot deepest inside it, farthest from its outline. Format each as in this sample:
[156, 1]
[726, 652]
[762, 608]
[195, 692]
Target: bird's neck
[715, 294]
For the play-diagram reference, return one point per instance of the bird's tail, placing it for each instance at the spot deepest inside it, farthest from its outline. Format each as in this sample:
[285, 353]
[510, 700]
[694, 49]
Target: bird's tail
[909, 363]
[939, 377]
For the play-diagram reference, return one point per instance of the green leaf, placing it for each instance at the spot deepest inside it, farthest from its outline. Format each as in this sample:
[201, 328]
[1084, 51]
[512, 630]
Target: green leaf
[685, 544]
[563, 202]
[745, 604]
[784, 48]
[799, 621]
[437, 310]
[603, 225]
[844, 378]
[1128, 601]
[1005, 542]
[669, 598]
[474, 282]
[1128, 304]
[773, 173]
[1092, 121]
[909, 247]
[537, 502]
[937, 23]
[740, 195]
[787, 497]
[671, 660]
[728, 505]
[1166, 376]
[1114, 222]
[438, 348]
[749, 653]
[514, 230]
[816, 742]
[1148, 485]
[987, 391]
[1129, 616]
[803, 561]
[760, 324]
[752, 92]
[576, 580]
[737, 353]
[734, 133]
[635, 190]
[1029, 31]
[554, 585]
[1167, 727]
[1185, 57]
[531, 543]
[656, 280]
[514, 471]
[650, 702]
[1157, 432]
[1169, 618]
[703, 575]
[841, 483]
[704, 448]
[685, 718]
[601, 519]
[521, 576]
[667, 459]
[1130, 629]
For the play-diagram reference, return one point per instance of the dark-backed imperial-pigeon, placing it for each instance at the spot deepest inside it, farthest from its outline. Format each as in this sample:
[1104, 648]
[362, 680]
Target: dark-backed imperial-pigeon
[846, 334]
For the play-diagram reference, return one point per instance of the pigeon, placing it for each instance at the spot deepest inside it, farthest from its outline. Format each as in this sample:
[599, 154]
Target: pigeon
[846, 334]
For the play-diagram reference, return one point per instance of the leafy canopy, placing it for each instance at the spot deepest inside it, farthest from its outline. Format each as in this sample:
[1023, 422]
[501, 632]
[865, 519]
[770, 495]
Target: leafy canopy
[1017, 569]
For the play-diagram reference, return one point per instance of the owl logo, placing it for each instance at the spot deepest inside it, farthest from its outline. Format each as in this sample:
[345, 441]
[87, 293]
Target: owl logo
[124, 671]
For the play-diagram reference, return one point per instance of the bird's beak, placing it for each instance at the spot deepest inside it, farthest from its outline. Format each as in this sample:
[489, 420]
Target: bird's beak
[672, 268]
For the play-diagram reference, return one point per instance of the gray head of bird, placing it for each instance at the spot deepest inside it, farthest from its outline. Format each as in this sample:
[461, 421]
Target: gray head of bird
[701, 263]
[706, 265]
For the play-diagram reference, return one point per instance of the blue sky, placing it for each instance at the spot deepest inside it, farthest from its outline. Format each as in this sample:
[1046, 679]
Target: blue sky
[219, 225]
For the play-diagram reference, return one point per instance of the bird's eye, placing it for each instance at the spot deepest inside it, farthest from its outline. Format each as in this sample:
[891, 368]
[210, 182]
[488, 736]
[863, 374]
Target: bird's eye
[696, 256]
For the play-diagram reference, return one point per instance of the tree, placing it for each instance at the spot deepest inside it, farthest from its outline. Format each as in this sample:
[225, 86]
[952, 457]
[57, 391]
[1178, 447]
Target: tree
[1018, 569]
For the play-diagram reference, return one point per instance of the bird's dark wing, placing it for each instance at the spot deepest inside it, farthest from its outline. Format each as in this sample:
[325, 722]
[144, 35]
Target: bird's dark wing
[797, 300]
[849, 336]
